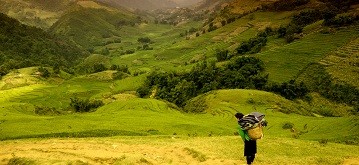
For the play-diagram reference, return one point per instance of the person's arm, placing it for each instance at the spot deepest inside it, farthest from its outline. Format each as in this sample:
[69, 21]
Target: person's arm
[243, 134]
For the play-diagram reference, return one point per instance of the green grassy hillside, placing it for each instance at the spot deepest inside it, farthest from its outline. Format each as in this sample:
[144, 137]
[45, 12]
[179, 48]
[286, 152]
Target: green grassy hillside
[125, 114]
[172, 52]
[342, 63]
[286, 62]
[36, 13]
[88, 26]
[40, 112]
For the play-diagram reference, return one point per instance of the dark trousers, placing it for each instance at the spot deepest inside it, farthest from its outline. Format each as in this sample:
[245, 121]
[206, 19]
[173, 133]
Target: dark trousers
[250, 159]
[250, 150]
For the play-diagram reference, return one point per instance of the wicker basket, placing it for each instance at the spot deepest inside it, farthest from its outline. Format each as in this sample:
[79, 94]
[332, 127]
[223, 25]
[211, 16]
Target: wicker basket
[256, 133]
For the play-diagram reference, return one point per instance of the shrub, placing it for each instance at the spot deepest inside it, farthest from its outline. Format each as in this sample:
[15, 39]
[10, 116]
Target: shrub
[130, 51]
[212, 27]
[290, 90]
[19, 161]
[143, 91]
[323, 141]
[288, 125]
[285, 5]
[195, 154]
[144, 40]
[120, 68]
[253, 45]
[99, 68]
[344, 20]
[289, 38]
[84, 105]
[222, 55]
[178, 88]
[119, 75]
[44, 72]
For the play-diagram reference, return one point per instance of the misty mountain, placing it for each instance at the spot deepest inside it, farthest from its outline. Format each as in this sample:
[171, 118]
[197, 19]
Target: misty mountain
[186, 3]
[210, 4]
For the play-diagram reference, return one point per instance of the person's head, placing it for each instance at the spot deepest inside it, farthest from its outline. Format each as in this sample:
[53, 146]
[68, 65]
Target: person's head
[239, 115]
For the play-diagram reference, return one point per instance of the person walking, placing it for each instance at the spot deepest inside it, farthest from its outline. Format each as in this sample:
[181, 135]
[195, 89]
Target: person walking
[250, 146]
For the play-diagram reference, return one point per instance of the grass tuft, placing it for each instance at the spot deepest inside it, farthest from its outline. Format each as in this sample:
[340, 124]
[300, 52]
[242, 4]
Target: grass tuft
[196, 154]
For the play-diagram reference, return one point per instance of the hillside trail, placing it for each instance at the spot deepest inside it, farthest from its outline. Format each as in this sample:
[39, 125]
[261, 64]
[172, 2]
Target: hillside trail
[96, 152]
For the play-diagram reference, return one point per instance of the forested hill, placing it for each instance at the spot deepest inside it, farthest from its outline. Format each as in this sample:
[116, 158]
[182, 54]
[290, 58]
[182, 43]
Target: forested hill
[23, 46]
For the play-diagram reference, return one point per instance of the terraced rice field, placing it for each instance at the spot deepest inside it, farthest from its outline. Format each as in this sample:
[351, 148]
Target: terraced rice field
[286, 62]
[343, 63]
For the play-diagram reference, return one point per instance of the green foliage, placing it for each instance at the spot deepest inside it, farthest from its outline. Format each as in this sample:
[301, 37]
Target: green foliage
[93, 64]
[339, 21]
[298, 22]
[44, 72]
[21, 161]
[145, 161]
[290, 90]
[80, 105]
[288, 125]
[120, 68]
[24, 46]
[105, 51]
[285, 5]
[119, 75]
[196, 105]
[252, 46]
[323, 83]
[307, 17]
[144, 40]
[323, 142]
[129, 51]
[82, 134]
[222, 55]
[336, 5]
[99, 68]
[242, 72]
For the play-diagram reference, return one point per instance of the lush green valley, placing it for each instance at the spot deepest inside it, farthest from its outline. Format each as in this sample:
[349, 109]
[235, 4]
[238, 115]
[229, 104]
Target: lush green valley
[162, 86]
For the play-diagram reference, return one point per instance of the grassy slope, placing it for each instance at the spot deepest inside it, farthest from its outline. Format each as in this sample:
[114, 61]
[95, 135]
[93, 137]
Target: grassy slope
[89, 25]
[128, 115]
[342, 63]
[173, 52]
[41, 14]
[285, 63]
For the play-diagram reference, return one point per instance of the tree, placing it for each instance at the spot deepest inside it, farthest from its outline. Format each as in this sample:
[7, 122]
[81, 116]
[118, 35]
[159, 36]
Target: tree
[85, 105]
[99, 68]
[222, 55]
[144, 40]
[44, 72]
[105, 51]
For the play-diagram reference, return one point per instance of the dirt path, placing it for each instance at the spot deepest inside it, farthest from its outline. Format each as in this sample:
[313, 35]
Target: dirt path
[81, 151]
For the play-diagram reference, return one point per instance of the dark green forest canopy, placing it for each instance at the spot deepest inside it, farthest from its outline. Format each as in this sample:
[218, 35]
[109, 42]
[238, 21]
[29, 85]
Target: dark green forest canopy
[25, 46]
[179, 87]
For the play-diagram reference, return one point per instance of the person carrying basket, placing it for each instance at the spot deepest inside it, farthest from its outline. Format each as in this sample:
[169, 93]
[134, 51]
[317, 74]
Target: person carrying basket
[250, 129]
